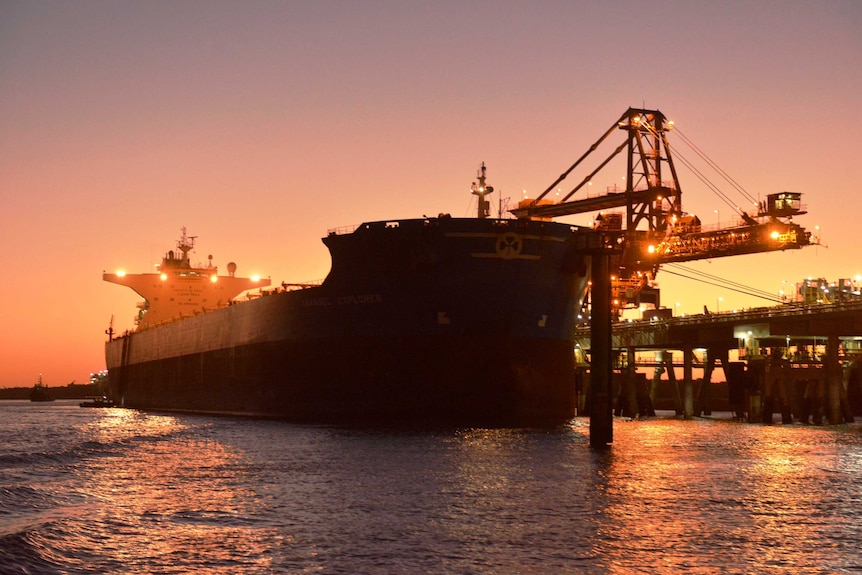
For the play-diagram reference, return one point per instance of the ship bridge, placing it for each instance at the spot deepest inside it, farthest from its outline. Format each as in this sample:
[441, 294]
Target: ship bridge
[180, 289]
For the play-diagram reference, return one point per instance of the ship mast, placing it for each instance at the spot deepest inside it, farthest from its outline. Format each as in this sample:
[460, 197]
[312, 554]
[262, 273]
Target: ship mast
[185, 244]
[481, 190]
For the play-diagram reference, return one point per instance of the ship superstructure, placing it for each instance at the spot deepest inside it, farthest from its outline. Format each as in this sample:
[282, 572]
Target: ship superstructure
[179, 289]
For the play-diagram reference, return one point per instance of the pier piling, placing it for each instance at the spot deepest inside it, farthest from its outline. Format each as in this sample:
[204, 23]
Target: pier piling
[688, 385]
[601, 366]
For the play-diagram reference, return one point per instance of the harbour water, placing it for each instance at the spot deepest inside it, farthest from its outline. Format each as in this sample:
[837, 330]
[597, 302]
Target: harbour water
[123, 491]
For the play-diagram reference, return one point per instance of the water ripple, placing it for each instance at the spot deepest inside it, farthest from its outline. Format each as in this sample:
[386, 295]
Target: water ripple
[122, 491]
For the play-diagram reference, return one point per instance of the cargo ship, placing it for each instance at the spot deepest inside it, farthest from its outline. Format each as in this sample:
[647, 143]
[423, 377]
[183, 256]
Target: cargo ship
[434, 320]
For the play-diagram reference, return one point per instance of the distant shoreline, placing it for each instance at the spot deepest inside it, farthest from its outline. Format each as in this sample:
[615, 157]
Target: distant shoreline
[70, 391]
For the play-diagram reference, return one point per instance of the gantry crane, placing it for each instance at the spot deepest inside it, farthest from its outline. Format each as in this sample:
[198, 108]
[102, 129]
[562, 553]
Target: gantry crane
[656, 230]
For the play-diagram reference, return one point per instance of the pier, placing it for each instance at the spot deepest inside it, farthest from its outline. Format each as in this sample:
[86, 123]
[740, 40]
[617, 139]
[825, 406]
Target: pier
[801, 360]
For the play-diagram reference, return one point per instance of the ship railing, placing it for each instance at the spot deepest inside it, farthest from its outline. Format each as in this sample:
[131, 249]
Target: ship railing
[342, 230]
[285, 286]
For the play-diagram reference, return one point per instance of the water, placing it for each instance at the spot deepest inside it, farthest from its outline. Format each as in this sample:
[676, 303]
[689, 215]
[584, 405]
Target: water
[121, 491]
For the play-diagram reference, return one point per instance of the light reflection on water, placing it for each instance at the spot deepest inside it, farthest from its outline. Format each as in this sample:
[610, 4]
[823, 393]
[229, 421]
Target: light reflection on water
[137, 492]
[691, 496]
[178, 498]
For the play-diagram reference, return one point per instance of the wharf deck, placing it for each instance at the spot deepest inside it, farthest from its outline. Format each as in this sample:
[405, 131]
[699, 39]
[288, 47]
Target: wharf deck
[805, 383]
[770, 325]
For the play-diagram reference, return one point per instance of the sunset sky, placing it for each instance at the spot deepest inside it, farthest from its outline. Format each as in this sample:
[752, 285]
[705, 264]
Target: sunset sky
[261, 125]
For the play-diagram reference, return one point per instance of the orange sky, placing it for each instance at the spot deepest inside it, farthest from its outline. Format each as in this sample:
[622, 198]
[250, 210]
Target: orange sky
[261, 125]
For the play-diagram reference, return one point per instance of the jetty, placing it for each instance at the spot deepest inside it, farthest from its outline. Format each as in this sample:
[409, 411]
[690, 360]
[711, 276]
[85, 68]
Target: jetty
[799, 359]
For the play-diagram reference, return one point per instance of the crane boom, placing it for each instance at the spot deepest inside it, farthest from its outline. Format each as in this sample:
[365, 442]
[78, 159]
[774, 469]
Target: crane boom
[656, 231]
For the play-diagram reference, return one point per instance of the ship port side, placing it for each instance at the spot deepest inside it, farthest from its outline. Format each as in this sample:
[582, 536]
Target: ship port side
[442, 320]
[415, 380]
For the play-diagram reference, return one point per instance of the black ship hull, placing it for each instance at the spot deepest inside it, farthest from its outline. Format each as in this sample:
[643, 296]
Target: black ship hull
[406, 380]
[459, 321]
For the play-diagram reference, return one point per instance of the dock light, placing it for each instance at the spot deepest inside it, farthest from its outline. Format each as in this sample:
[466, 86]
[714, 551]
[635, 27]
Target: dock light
[650, 249]
[164, 276]
[121, 273]
[774, 235]
[213, 278]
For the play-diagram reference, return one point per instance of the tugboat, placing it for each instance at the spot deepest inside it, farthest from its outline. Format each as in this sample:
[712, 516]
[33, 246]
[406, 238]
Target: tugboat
[98, 401]
[40, 391]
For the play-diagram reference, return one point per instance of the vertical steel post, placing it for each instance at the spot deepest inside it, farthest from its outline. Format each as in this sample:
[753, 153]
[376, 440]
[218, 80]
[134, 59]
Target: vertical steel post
[833, 381]
[688, 384]
[631, 391]
[601, 369]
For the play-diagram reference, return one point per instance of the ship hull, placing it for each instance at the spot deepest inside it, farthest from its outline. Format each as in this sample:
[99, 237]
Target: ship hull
[427, 323]
[413, 380]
